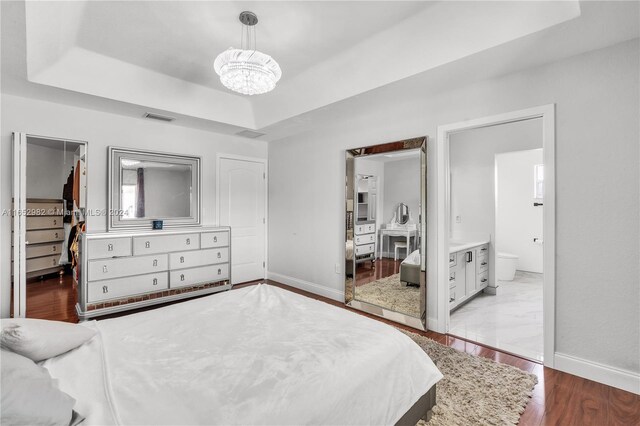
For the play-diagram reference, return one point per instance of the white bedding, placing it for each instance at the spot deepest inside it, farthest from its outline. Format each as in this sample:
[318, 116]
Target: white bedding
[256, 355]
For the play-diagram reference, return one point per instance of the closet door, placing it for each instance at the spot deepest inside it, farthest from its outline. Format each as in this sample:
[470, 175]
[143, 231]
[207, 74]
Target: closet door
[19, 224]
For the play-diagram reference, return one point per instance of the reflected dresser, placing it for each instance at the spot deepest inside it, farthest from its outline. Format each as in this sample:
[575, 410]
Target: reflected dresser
[123, 271]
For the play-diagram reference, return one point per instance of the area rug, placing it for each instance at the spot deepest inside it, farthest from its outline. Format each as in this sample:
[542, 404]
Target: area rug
[391, 294]
[475, 390]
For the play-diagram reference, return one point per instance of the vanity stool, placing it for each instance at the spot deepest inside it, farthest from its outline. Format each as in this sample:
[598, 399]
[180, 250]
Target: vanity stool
[399, 245]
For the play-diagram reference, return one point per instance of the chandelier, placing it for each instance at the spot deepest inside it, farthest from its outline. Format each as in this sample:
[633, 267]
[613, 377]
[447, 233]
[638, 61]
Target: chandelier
[247, 70]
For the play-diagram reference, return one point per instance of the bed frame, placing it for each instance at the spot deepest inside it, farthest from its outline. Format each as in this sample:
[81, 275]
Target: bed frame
[421, 410]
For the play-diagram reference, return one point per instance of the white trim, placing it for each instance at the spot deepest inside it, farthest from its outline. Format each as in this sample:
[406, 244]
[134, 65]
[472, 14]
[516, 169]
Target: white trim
[621, 379]
[318, 289]
[547, 114]
[19, 224]
[265, 162]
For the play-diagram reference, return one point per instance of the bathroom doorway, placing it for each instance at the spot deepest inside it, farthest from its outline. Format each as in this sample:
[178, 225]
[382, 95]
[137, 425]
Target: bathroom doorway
[492, 255]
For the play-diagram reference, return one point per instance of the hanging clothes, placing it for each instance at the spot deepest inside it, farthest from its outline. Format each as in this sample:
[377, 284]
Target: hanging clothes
[67, 196]
[76, 184]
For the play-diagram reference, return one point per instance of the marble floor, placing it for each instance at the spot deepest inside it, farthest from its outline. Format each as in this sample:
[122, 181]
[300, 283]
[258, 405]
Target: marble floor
[510, 321]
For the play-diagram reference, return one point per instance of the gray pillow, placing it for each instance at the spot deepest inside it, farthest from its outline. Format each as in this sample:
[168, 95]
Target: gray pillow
[29, 394]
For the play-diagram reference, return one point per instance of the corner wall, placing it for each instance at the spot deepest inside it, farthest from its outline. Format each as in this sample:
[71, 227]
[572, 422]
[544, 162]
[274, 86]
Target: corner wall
[597, 178]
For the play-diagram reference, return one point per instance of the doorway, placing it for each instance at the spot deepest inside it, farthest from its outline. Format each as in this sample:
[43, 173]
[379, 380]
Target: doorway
[242, 204]
[50, 199]
[467, 233]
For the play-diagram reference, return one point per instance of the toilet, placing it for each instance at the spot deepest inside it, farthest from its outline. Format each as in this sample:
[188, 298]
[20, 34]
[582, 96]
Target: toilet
[506, 265]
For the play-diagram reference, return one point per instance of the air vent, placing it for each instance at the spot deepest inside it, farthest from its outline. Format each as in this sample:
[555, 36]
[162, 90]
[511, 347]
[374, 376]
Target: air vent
[249, 134]
[158, 117]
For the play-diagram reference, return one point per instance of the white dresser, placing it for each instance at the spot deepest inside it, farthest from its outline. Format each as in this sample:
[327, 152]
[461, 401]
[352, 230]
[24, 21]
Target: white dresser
[44, 237]
[468, 272]
[122, 271]
[365, 241]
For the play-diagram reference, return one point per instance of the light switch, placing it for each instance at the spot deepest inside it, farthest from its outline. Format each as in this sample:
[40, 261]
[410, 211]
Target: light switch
[337, 268]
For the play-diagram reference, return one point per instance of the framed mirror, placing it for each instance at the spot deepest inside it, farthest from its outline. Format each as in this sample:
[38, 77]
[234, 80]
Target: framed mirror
[385, 236]
[145, 186]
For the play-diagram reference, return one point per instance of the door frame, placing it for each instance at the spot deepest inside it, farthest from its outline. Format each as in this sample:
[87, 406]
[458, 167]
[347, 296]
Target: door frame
[547, 114]
[19, 186]
[265, 162]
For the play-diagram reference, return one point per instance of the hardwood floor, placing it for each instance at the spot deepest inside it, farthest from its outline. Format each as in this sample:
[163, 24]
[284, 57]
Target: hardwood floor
[383, 268]
[558, 398]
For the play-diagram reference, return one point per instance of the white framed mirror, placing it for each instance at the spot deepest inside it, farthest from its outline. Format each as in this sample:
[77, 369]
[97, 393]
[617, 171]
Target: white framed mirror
[145, 186]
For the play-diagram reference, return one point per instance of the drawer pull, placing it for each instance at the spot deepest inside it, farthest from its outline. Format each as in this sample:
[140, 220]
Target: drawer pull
[219, 271]
[155, 281]
[57, 235]
[155, 262]
[188, 241]
[215, 238]
[104, 269]
[181, 277]
[484, 280]
[55, 221]
[54, 248]
[483, 249]
[452, 278]
[483, 263]
[451, 299]
[147, 244]
[219, 255]
[181, 259]
[105, 289]
[53, 262]
[110, 247]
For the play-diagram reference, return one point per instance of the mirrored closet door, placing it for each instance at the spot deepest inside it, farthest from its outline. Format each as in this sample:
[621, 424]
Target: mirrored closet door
[49, 215]
[385, 236]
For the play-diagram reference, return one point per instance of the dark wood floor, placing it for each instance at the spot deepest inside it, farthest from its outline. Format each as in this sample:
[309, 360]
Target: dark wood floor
[558, 398]
[366, 272]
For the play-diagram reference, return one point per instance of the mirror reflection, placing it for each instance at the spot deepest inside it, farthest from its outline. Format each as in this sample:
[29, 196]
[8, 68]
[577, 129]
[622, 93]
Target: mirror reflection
[383, 253]
[151, 189]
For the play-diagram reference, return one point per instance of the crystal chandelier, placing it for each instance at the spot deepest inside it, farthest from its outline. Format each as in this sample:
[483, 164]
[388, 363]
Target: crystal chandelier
[247, 70]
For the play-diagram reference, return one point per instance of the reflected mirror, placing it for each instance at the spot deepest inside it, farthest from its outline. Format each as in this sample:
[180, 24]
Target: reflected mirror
[147, 186]
[385, 230]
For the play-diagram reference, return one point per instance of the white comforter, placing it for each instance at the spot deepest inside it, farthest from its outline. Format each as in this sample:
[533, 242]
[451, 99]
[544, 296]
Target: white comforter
[256, 355]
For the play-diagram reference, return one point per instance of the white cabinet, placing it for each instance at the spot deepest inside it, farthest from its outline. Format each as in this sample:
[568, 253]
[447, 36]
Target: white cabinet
[468, 273]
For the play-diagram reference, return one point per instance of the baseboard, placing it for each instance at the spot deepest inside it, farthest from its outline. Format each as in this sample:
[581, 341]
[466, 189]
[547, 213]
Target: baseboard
[621, 379]
[307, 286]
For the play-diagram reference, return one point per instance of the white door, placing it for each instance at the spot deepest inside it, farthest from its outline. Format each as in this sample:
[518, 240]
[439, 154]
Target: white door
[19, 224]
[242, 206]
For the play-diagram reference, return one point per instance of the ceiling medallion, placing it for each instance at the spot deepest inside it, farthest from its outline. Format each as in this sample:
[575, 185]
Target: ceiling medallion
[247, 70]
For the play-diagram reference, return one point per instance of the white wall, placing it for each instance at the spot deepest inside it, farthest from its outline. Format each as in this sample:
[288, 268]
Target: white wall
[101, 130]
[46, 170]
[402, 185]
[472, 170]
[597, 188]
[518, 221]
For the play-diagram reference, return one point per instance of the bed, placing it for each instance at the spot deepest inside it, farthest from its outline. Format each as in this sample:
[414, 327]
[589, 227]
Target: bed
[255, 355]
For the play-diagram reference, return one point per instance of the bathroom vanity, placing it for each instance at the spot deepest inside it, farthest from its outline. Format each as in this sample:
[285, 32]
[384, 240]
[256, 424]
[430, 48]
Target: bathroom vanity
[468, 271]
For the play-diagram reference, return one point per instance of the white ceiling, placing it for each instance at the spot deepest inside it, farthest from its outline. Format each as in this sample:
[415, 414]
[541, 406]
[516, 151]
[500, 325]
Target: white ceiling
[132, 57]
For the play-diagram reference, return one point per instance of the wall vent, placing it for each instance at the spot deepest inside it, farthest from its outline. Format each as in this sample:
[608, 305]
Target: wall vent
[250, 134]
[153, 116]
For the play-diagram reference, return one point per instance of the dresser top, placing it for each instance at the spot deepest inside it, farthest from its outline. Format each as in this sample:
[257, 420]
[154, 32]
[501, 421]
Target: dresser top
[150, 232]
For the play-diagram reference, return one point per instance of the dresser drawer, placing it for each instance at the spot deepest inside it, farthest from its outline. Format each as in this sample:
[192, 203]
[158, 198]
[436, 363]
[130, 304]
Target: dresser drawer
[104, 269]
[365, 249]
[43, 250]
[483, 280]
[482, 250]
[453, 259]
[365, 228]
[214, 239]
[190, 259]
[42, 222]
[39, 263]
[452, 295]
[482, 264]
[98, 291]
[45, 209]
[108, 247]
[202, 275]
[44, 236]
[365, 239]
[165, 243]
[452, 279]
